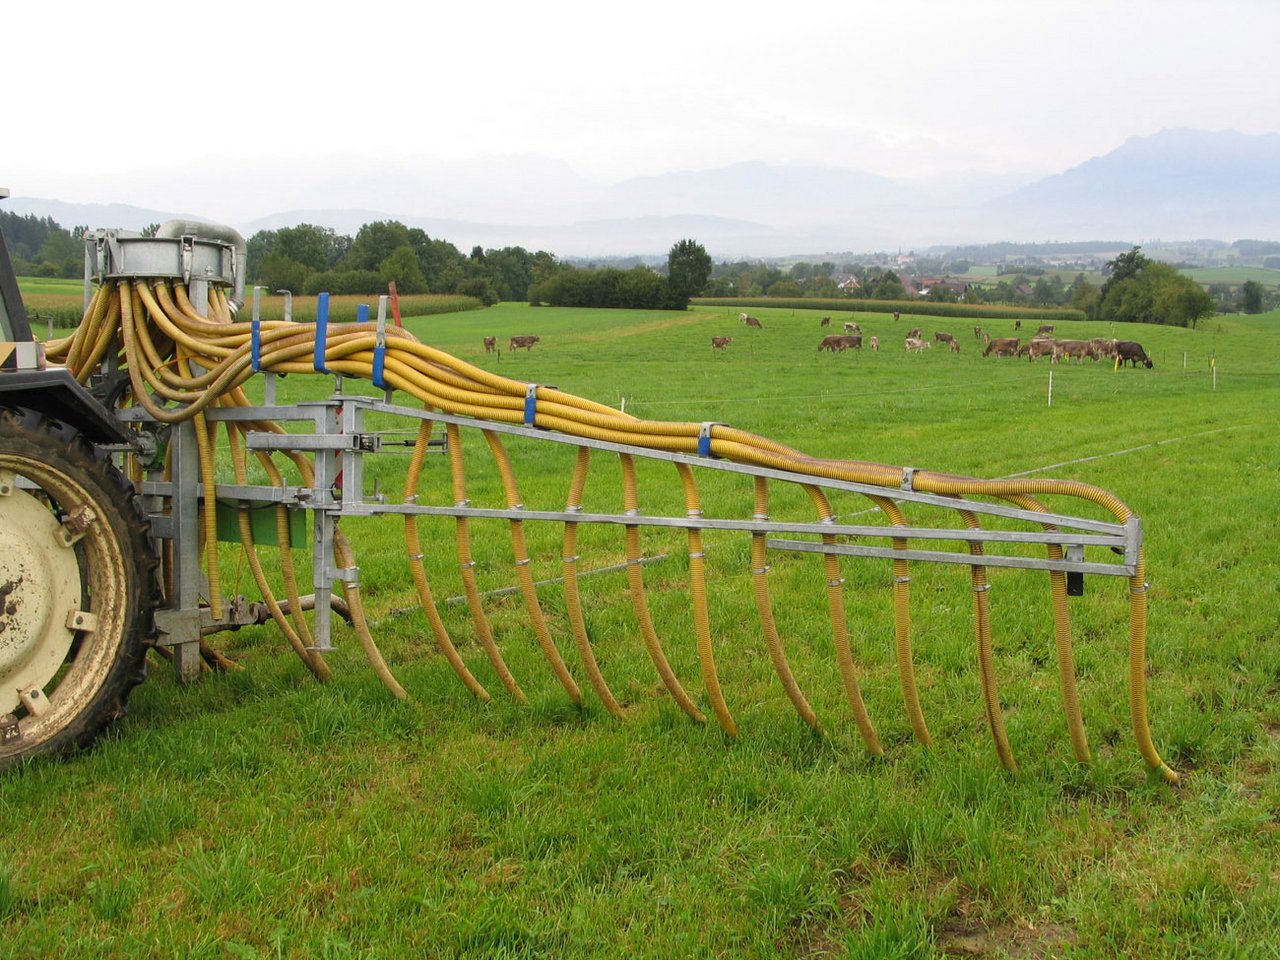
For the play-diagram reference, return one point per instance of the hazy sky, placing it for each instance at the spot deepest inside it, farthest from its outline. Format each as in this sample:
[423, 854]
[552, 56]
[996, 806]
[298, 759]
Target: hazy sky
[108, 102]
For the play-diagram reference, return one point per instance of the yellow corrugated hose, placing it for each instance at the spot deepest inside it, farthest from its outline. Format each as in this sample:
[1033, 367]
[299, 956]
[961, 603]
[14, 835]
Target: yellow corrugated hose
[179, 363]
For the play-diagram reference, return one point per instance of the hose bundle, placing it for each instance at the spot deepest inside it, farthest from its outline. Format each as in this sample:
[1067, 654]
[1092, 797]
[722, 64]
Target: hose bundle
[181, 364]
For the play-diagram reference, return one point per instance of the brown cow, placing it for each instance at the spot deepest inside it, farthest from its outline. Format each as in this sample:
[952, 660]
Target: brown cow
[1103, 346]
[839, 344]
[875, 344]
[955, 346]
[719, 343]
[915, 344]
[1040, 347]
[826, 322]
[1017, 324]
[977, 332]
[942, 337]
[1133, 352]
[915, 333]
[852, 328]
[1003, 346]
[490, 344]
[1073, 348]
[750, 321]
[1045, 328]
[526, 342]
[897, 315]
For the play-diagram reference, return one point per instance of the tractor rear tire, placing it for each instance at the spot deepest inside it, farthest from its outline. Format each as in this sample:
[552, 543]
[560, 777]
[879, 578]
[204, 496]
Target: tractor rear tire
[77, 588]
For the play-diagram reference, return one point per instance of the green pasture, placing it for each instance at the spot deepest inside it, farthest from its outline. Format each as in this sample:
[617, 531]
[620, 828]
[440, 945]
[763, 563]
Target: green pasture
[50, 286]
[260, 814]
[1234, 275]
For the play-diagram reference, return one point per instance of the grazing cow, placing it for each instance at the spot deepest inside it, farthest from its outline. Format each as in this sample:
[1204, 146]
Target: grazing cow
[916, 344]
[490, 344]
[1045, 328]
[826, 322]
[915, 333]
[1073, 348]
[526, 342]
[852, 328]
[875, 344]
[1039, 347]
[1103, 346]
[955, 346]
[719, 343]
[839, 344]
[942, 337]
[1003, 346]
[1017, 324]
[977, 332]
[750, 321]
[1133, 352]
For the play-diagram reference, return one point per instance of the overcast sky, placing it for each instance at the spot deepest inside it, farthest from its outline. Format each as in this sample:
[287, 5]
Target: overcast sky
[108, 102]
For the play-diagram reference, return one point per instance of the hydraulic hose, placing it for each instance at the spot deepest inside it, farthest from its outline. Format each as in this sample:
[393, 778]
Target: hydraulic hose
[413, 547]
[639, 601]
[466, 565]
[701, 615]
[179, 362]
[764, 609]
[524, 575]
[572, 596]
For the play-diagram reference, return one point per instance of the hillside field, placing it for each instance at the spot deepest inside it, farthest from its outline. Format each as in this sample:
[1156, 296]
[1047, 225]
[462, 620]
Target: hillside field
[260, 814]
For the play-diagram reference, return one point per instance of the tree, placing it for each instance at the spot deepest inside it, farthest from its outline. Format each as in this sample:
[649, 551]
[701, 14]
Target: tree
[401, 267]
[1123, 267]
[374, 243]
[889, 287]
[1155, 293]
[1251, 297]
[688, 269]
[784, 288]
[278, 272]
[1085, 296]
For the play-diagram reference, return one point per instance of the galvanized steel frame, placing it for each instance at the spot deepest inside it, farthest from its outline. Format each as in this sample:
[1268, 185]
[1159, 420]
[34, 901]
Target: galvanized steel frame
[339, 444]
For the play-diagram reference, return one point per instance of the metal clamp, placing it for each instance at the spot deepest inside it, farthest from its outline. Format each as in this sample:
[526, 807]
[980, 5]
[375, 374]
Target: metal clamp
[704, 437]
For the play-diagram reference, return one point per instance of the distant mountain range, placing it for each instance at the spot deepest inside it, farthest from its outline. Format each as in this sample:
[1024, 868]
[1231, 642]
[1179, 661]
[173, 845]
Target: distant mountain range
[1176, 184]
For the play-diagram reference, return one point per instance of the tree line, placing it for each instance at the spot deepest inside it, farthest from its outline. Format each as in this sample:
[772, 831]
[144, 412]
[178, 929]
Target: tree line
[312, 259]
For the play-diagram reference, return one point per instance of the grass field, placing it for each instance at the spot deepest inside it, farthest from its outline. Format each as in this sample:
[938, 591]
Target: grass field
[1234, 275]
[50, 286]
[258, 813]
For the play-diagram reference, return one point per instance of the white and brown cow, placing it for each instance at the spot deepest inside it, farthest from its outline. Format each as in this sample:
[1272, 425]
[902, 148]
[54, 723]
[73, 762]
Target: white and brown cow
[915, 344]
[750, 321]
[720, 343]
[490, 344]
